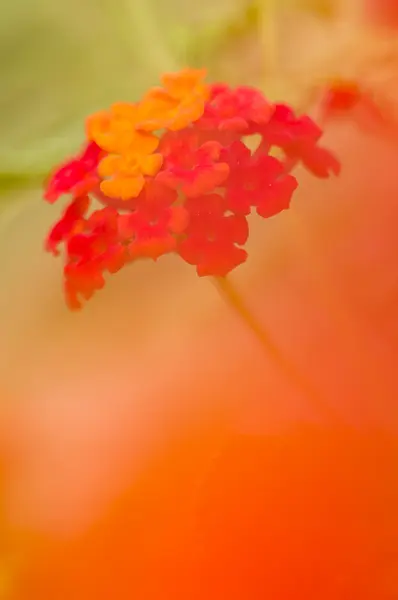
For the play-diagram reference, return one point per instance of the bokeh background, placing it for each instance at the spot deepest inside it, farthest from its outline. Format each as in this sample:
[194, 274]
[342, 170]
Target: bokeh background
[148, 447]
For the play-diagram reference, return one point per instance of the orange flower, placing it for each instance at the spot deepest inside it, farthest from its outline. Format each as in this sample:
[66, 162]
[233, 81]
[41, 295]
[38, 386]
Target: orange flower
[130, 157]
[116, 130]
[126, 131]
[187, 82]
[177, 105]
[127, 173]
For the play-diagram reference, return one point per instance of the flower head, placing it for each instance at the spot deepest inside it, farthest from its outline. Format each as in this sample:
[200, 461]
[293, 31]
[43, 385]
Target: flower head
[175, 172]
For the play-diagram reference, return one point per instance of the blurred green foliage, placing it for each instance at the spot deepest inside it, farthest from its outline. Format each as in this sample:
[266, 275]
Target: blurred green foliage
[62, 60]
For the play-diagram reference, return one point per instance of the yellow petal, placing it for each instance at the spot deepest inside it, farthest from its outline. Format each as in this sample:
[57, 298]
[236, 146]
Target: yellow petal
[123, 188]
[131, 187]
[109, 166]
[125, 110]
[151, 164]
[111, 188]
[97, 123]
[178, 85]
[188, 113]
[143, 143]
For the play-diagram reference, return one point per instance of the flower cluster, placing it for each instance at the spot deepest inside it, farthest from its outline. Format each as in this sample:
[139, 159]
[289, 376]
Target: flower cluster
[178, 172]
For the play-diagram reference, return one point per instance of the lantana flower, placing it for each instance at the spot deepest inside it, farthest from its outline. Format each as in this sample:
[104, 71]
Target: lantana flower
[177, 172]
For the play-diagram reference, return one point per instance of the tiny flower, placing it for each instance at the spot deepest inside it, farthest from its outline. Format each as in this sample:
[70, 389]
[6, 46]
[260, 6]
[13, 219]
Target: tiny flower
[211, 236]
[285, 130]
[124, 176]
[179, 103]
[91, 252]
[130, 150]
[153, 233]
[253, 180]
[277, 196]
[193, 167]
[174, 173]
[298, 138]
[71, 222]
[319, 161]
[150, 230]
[117, 130]
[185, 84]
[241, 110]
[77, 176]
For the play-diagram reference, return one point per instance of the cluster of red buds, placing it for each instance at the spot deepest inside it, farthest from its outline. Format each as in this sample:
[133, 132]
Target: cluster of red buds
[178, 172]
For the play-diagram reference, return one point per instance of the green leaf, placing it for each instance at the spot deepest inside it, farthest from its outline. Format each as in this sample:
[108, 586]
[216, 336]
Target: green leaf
[59, 61]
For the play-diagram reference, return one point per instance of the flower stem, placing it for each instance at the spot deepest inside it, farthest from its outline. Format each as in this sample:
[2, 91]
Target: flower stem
[235, 300]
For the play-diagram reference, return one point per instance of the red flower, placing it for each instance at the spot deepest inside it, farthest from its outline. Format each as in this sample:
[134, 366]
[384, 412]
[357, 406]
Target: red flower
[212, 235]
[285, 130]
[298, 138]
[320, 161]
[254, 181]
[89, 254]
[153, 233]
[190, 165]
[77, 176]
[241, 110]
[277, 196]
[71, 222]
[151, 228]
